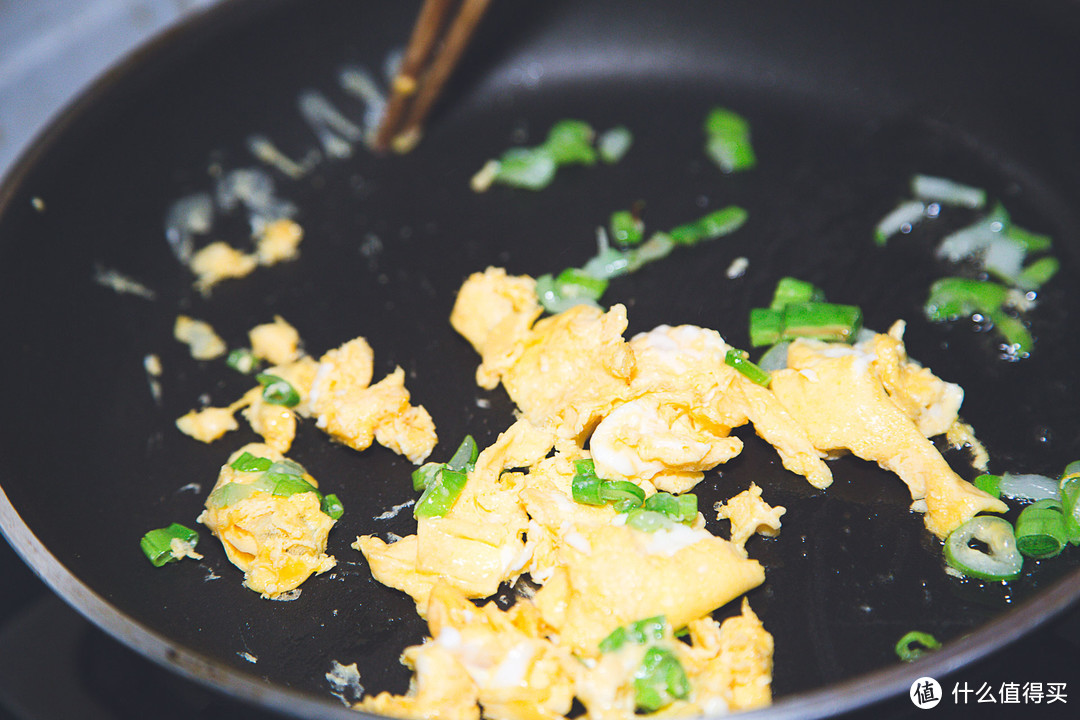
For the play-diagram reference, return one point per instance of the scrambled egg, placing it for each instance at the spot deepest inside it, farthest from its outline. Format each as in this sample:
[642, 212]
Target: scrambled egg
[653, 413]
[336, 390]
[199, 336]
[278, 342]
[871, 400]
[278, 241]
[749, 514]
[278, 541]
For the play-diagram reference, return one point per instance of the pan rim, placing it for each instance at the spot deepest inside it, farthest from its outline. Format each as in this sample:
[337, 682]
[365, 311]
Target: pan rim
[861, 691]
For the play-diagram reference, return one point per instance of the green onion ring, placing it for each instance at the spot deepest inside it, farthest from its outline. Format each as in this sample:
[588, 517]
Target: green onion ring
[1040, 530]
[907, 647]
[1002, 562]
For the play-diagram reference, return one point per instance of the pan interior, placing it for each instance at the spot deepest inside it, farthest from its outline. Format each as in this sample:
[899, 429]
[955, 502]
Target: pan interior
[845, 106]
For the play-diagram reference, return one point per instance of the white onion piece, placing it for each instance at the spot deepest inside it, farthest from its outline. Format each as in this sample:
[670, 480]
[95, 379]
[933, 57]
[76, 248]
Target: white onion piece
[947, 192]
[899, 220]
[1029, 487]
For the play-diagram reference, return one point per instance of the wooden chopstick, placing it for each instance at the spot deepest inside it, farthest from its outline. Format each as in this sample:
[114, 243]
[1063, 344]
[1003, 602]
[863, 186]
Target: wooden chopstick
[434, 50]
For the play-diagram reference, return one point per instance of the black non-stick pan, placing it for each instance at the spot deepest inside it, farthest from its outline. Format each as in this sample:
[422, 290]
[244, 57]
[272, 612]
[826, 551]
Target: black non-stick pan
[846, 101]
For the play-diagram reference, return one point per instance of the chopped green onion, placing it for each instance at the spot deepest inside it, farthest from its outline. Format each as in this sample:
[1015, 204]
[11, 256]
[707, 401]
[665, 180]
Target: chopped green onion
[624, 494]
[287, 467]
[332, 506]
[823, 321]
[1032, 242]
[626, 228]
[711, 226]
[775, 358]
[947, 192]
[424, 474]
[246, 462]
[989, 484]
[529, 168]
[790, 291]
[727, 140]
[660, 680]
[648, 520]
[157, 544]
[440, 494]
[572, 287]
[640, 632]
[680, 508]
[464, 457]
[586, 490]
[1070, 500]
[766, 326]
[614, 641]
[914, 644]
[658, 246]
[280, 484]
[570, 142]
[242, 360]
[1038, 273]
[899, 220]
[739, 359]
[613, 144]
[230, 494]
[589, 489]
[278, 391]
[282, 479]
[953, 297]
[1029, 486]
[1000, 561]
[1040, 530]
[576, 283]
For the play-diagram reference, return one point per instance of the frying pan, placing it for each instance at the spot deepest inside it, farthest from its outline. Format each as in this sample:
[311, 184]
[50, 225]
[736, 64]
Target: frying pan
[846, 101]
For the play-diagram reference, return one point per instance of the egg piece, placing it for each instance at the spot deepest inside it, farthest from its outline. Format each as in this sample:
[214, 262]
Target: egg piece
[208, 424]
[774, 424]
[930, 402]
[749, 514]
[621, 574]
[659, 438]
[519, 674]
[554, 516]
[279, 241]
[278, 541]
[690, 361]
[478, 544]
[605, 686]
[842, 405]
[200, 337]
[342, 370]
[494, 312]
[441, 689]
[730, 664]
[219, 261]
[357, 414]
[961, 435]
[574, 369]
[275, 423]
[277, 342]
